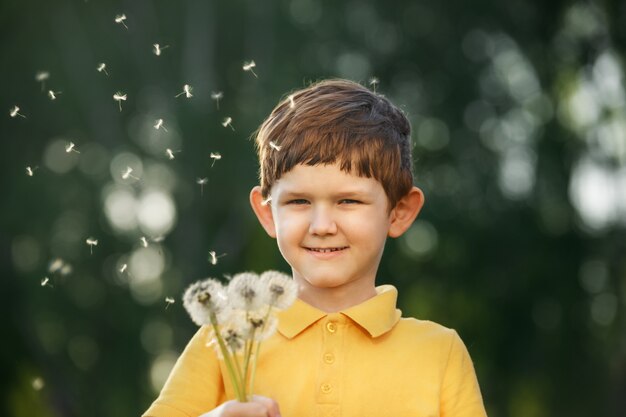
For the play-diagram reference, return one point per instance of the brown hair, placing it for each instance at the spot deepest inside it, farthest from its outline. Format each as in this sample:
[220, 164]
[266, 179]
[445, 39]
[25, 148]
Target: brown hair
[338, 121]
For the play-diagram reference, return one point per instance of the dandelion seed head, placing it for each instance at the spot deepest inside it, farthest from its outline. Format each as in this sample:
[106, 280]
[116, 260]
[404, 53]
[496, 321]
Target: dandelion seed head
[53, 94]
[282, 289]
[216, 156]
[245, 291]
[373, 81]
[217, 95]
[123, 268]
[120, 18]
[119, 96]
[30, 171]
[212, 257]
[45, 281]
[169, 153]
[92, 241]
[159, 124]
[71, 147]
[128, 173]
[102, 67]
[203, 298]
[157, 49]
[202, 181]
[144, 241]
[41, 76]
[227, 122]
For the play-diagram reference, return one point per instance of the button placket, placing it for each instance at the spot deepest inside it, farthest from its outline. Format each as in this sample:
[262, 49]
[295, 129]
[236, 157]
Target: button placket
[329, 388]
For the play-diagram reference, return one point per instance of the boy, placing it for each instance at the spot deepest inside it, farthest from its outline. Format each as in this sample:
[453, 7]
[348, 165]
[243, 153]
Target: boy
[336, 180]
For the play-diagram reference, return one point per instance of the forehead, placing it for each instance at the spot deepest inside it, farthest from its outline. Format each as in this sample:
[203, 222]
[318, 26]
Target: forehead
[325, 177]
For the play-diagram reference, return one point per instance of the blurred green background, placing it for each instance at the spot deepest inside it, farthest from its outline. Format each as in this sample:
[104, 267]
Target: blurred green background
[519, 125]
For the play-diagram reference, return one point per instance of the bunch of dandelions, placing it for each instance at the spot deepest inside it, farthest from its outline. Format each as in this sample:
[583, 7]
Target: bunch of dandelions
[241, 315]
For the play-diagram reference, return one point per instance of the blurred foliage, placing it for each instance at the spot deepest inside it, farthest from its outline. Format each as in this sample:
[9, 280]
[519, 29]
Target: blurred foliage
[518, 111]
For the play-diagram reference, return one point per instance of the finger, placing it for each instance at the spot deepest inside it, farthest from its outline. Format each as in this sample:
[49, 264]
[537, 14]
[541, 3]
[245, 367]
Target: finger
[270, 405]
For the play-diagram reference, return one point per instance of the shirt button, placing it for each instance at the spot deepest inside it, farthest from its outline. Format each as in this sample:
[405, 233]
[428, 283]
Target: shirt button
[326, 388]
[331, 327]
[329, 358]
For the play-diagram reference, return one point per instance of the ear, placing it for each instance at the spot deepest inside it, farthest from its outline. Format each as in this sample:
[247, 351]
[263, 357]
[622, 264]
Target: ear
[263, 211]
[405, 212]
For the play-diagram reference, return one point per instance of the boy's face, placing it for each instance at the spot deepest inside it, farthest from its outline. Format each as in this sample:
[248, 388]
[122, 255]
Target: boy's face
[331, 227]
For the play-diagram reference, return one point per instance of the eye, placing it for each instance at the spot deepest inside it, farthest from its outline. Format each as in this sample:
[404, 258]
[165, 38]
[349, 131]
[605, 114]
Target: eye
[349, 201]
[297, 201]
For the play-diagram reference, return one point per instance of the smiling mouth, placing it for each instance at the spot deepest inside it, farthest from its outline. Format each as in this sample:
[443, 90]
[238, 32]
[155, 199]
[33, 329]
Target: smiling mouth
[326, 250]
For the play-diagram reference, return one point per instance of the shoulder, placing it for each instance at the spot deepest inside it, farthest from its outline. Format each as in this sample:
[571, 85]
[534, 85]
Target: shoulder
[413, 330]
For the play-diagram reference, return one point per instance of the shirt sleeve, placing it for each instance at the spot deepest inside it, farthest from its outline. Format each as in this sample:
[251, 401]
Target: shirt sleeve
[195, 383]
[460, 393]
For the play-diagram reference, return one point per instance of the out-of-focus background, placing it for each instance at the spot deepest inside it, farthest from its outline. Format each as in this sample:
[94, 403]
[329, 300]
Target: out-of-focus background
[519, 126]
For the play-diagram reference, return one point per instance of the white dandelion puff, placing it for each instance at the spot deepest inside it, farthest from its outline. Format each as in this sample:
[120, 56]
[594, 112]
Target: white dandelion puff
[203, 299]
[41, 77]
[274, 146]
[187, 89]
[228, 122]
[245, 291]
[215, 156]
[71, 147]
[53, 94]
[91, 242]
[282, 289]
[159, 124]
[102, 67]
[15, 111]
[120, 18]
[119, 97]
[202, 182]
[128, 173]
[249, 66]
[158, 49]
[217, 96]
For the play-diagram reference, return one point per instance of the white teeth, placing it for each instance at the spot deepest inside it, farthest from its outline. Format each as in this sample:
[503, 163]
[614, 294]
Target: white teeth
[325, 250]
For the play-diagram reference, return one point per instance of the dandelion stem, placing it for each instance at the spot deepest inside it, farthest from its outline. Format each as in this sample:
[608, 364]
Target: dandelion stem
[227, 358]
[258, 349]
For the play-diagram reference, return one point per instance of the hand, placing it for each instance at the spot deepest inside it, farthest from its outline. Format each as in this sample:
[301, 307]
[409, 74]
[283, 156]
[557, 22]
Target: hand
[259, 406]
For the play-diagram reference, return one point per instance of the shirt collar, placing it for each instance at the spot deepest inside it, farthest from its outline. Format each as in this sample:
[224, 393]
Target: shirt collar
[377, 315]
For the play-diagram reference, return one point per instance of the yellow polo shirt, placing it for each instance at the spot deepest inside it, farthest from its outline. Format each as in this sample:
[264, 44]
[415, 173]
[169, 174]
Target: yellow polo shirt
[361, 362]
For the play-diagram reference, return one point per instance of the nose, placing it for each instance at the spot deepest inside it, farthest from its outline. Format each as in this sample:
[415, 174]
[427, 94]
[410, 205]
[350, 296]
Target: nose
[322, 222]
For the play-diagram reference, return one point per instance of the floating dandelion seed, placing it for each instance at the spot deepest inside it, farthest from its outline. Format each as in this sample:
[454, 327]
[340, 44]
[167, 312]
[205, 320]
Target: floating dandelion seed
[215, 157]
[30, 171]
[102, 67]
[187, 89]
[228, 122]
[45, 282]
[374, 82]
[15, 111]
[274, 146]
[159, 124]
[158, 239]
[119, 97]
[169, 301]
[170, 153]
[120, 19]
[123, 268]
[91, 242]
[213, 257]
[41, 77]
[292, 103]
[217, 96]
[128, 174]
[158, 49]
[267, 201]
[53, 94]
[38, 383]
[201, 182]
[144, 241]
[248, 66]
[70, 147]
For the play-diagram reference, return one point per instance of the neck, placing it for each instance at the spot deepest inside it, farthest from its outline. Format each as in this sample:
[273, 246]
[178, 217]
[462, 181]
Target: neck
[332, 300]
